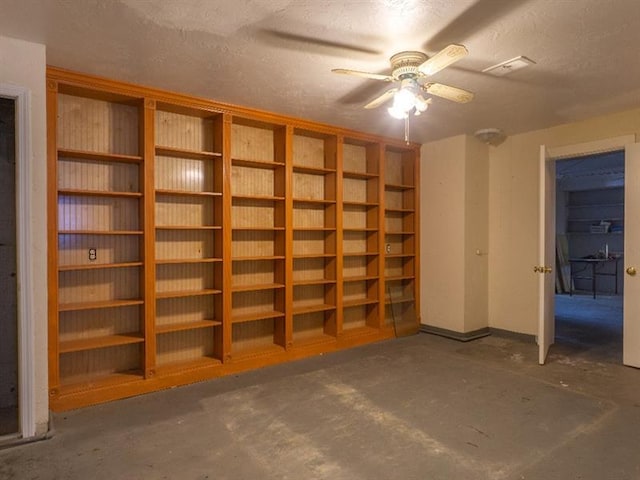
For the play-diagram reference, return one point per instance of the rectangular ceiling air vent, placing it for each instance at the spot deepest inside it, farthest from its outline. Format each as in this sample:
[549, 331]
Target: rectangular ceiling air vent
[508, 66]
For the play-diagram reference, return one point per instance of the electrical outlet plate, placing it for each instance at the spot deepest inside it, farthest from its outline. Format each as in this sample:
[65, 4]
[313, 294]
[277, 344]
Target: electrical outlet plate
[388, 248]
[93, 254]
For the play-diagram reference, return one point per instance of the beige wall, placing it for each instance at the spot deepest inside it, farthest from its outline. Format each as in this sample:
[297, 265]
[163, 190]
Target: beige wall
[513, 213]
[454, 226]
[457, 173]
[23, 64]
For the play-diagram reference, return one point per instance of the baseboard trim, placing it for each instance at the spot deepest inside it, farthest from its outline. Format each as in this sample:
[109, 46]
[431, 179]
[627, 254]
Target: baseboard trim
[459, 336]
[525, 337]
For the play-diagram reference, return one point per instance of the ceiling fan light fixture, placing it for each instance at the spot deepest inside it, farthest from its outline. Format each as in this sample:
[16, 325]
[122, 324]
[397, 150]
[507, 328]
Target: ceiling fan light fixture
[396, 112]
[490, 136]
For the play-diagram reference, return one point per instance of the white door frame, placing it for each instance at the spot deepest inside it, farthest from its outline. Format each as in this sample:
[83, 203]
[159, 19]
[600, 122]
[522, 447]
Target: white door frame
[26, 361]
[580, 150]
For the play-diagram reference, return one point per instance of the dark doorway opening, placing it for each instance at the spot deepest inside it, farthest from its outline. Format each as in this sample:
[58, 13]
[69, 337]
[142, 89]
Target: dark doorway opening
[9, 423]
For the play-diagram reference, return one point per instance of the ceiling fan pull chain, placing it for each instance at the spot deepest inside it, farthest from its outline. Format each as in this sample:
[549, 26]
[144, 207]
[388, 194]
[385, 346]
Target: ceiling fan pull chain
[406, 129]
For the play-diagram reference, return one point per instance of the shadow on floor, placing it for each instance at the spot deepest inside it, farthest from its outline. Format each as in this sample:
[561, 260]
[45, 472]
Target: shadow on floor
[585, 325]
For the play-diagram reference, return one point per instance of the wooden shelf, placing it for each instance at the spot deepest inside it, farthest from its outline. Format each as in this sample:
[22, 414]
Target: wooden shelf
[312, 170]
[360, 204]
[364, 278]
[188, 227]
[100, 232]
[313, 341]
[183, 366]
[171, 261]
[97, 193]
[84, 383]
[252, 317]
[187, 293]
[302, 283]
[185, 153]
[164, 191]
[314, 229]
[254, 352]
[313, 255]
[399, 233]
[257, 287]
[399, 255]
[314, 201]
[398, 187]
[256, 164]
[179, 327]
[366, 230]
[359, 175]
[359, 254]
[257, 258]
[260, 198]
[258, 229]
[399, 210]
[396, 278]
[98, 266]
[399, 300]
[322, 307]
[69, 307]
[98, 156]
[358, 302]
[100, 342]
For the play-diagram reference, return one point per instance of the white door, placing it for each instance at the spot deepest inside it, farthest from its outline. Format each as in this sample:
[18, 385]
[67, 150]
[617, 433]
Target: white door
[631, 305]
[546, 255]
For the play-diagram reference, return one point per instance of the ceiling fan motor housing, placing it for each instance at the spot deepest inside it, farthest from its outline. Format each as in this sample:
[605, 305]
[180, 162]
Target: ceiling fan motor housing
[405, 64]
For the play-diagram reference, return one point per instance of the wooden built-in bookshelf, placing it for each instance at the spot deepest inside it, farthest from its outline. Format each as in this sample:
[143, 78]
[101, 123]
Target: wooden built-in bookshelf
[189, 239]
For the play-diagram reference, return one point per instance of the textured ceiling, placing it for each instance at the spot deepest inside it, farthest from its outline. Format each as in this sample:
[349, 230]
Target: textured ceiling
[277, 55]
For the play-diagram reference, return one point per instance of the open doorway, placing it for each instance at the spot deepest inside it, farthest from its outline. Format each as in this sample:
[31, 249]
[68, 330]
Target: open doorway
[9, 420]
[589, 255]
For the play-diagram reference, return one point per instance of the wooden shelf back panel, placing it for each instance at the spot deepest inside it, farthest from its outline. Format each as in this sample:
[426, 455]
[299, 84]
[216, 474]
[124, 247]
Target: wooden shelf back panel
[98, 213]
[306, 242]
[356, 316]
[360, 290]
[97, 125]
[255, 302]
[185, 174]
[257, 273]
[254, 181]
[187, 277]
[358, 242]
[252, 143]
[312, 325]
[400, 266]
[87, 366]
[309, 152]
[307, 215]
[354, 158]
[185, 211]
[187, 244]
[255, 213]
[184, 345]
[355, 266]
[309, 186]
[308, 295]
[98, 176]
[73, 250]
[252, 336]
[85, 324]
[257, 243]
[308, 269]
[184, 131]
[89, 286]
[185, 310]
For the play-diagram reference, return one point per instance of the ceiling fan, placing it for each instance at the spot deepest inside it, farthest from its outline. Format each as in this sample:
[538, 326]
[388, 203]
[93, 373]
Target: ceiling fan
[410, 69]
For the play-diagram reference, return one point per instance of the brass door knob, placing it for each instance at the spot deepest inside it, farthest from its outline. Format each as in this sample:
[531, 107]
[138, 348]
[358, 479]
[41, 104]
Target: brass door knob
[631, 271]
[547, 269]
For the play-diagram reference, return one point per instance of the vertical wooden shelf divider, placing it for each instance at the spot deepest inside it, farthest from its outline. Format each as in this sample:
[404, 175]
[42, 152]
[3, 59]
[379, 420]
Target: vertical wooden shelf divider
[189, 239]
[148, 287]
[227, 232]
[52, 239]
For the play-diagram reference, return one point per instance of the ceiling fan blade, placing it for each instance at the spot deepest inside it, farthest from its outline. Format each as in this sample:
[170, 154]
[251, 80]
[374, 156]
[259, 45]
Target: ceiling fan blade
[381, 99]
[454, 94]
[357, 73]
[443, 59]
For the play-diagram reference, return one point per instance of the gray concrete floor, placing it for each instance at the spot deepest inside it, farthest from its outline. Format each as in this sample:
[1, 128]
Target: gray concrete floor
[420, 407]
